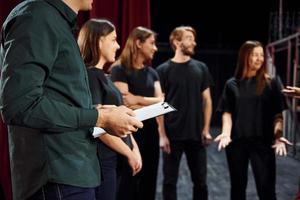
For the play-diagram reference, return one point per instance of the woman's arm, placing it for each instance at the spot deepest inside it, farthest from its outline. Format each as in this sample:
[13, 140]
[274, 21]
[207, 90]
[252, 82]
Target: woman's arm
[280, 142]
[135, 101]
[225, 137]
[136, 151]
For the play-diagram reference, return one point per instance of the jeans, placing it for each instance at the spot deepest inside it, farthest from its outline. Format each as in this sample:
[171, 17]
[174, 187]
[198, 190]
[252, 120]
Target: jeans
[55, 191]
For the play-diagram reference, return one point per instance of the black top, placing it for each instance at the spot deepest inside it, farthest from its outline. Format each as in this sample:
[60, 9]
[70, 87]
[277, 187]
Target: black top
[105, 92]
[252, 114]
[140, 82]
[45, 99]
[183, 84]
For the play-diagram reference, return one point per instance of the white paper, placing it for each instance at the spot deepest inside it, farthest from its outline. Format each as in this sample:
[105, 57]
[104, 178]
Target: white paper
[144, 113]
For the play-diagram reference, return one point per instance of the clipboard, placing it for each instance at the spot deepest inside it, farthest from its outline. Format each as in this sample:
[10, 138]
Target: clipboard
[144, 113]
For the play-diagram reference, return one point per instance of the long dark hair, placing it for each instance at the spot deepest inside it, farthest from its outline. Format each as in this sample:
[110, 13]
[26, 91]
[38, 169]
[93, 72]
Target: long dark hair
[88, 39]
[243, 65]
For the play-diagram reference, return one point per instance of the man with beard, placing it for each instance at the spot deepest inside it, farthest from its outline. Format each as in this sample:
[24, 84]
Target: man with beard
[185, 82]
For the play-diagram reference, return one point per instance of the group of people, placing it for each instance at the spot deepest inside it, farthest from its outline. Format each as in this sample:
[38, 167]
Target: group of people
[54, 91]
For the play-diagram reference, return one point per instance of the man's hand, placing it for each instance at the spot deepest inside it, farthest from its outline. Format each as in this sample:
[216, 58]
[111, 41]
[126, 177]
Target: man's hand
[118, 121]
[164, 144]
[206, 138]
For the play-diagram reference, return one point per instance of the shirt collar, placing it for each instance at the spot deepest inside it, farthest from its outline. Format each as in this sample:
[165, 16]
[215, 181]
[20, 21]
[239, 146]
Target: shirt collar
[65, 11]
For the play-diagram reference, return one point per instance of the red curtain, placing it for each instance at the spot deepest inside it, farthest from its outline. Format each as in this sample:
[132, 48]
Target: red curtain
[126, 15]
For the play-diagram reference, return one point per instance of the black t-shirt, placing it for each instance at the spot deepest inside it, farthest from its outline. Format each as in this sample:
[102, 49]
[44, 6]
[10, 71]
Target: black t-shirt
[252, 114]
[140, 82]
[104, 92]
[183, 84]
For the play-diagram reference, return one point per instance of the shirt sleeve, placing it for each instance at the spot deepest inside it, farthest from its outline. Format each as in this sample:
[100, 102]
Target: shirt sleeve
[226, 101]
[207, 79]
[279, 100]
[31, 48]
[154, 74]
[118, 73]
[160, 73]
[95, 87]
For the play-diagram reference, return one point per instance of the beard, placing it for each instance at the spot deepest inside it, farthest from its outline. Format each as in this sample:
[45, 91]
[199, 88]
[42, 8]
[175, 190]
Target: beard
[187, 50]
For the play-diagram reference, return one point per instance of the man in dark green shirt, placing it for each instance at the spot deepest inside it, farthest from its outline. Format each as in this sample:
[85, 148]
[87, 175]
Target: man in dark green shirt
[46, 102]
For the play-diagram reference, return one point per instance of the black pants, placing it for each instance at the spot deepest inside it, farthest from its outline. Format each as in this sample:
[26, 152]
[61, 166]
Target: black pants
[108, 188]
[196, 160]
[142, 186]
[262, 160]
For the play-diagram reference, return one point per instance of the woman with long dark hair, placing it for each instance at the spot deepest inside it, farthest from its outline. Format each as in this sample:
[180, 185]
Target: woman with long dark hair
[98, 45]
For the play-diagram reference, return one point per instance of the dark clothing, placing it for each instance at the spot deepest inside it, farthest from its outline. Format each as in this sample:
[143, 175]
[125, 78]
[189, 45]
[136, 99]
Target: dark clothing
[262, 160]
[140, 82]
[103, 89]
[252, 134]
[196, 159]
[54, 191]
[45, 100]
[252, 114]
[104, 92]
[143, 185]
[107, 189]
[183, 84]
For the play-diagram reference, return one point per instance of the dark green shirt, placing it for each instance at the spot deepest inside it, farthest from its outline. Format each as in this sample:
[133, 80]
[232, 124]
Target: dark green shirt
[45, 99]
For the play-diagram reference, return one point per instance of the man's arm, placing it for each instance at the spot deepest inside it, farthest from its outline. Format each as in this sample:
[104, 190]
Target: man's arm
[31, 48]
[207, 110]
[29, 59]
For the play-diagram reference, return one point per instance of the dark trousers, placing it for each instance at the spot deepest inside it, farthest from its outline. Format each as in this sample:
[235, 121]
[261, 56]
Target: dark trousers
[108, 188]
[54, 191]
[196, 160]
[262, 160]
[142, 186]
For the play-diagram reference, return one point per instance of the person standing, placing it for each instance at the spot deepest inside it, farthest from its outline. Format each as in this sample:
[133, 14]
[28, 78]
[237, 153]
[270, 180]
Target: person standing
[252, 123]
[98, 45]
[186, 84]
[46, 103]
[139, 85]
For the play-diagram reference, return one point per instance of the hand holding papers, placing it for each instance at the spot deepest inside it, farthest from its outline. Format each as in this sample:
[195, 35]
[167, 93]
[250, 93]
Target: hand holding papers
[144, 113]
